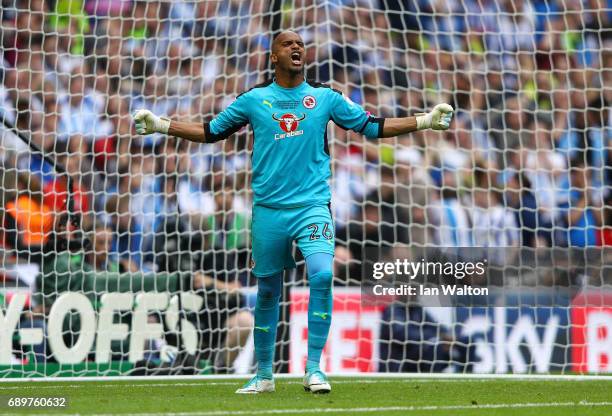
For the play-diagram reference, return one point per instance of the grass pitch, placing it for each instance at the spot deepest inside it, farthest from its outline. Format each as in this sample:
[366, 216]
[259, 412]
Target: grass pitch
[363, 396]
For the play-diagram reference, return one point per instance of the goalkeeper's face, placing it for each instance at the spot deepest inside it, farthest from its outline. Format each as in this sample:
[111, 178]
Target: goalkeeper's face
[288, 53]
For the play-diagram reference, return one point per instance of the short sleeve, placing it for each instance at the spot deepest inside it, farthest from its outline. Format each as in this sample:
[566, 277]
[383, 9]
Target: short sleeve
[229, 121]
[348, 115]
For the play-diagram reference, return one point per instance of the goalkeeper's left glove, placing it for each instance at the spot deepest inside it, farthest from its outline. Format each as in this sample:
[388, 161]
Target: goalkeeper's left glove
[438, 119]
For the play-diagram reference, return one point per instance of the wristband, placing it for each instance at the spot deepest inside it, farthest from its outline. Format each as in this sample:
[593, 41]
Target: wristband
[423, 120]
[164, 125]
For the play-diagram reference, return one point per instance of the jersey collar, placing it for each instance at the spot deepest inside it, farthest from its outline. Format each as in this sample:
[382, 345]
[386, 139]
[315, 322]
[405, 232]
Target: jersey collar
[288, 89]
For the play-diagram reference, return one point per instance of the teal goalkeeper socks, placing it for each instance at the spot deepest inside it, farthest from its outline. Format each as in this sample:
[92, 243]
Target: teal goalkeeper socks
[319, 317]
[266, 321]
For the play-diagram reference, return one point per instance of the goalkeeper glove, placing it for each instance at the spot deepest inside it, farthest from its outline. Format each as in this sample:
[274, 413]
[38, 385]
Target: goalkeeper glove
[148, 123]
[438, 119]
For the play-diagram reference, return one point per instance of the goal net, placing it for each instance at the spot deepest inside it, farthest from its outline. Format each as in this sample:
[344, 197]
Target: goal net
[130, 255]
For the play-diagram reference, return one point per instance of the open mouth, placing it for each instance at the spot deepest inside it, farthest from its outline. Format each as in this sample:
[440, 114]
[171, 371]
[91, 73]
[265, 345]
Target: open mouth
[296, 58]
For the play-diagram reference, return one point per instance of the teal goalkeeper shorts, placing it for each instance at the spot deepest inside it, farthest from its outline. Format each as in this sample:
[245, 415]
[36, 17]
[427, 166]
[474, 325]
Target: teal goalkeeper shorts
[273, 231]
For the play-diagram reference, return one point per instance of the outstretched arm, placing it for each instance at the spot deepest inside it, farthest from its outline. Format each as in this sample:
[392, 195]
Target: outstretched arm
[148, 123]
[186, 130]
[348, 115]
[438, 119]
[398, 126]
[226, 123]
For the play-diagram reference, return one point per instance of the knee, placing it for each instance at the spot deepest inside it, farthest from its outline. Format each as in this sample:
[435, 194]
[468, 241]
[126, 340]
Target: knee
[269, 287]
[322, 280]
[319, 263]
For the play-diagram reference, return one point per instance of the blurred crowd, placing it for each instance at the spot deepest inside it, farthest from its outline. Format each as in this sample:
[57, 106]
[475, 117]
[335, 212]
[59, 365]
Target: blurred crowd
[527, 161]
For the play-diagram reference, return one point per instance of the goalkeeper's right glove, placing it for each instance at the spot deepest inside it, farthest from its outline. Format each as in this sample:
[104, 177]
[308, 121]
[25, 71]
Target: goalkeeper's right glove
[148, 123]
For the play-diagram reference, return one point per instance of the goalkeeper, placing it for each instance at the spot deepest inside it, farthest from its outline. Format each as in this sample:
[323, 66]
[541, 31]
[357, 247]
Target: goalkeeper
[291, 169]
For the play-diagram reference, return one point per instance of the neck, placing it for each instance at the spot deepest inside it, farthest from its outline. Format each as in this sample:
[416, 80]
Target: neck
[288, 79]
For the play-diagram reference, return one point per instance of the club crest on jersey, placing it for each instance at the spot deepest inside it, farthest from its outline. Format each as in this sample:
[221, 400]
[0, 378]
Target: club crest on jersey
[288, 123]
[309, 102]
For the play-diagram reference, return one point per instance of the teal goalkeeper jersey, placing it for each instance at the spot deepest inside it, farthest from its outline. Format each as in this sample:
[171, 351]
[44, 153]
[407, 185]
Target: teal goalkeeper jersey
[291, 164]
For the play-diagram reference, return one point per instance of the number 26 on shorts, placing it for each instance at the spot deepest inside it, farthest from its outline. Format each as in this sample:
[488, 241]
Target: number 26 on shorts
[326, 232]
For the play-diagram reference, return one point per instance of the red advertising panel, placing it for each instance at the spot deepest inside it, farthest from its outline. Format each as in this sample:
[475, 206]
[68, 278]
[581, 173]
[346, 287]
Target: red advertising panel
[352, 345]
[592, 333]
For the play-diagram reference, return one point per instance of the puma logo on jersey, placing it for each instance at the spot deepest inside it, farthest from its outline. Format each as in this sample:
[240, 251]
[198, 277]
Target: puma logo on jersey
[266, 102]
